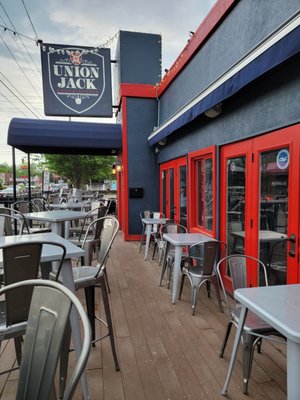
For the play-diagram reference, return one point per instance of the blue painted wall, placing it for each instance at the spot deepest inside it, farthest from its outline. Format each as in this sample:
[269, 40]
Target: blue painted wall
[138, 59]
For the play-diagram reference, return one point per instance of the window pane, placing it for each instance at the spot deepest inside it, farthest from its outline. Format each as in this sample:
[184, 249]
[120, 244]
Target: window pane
[182, 195]
[205, 195]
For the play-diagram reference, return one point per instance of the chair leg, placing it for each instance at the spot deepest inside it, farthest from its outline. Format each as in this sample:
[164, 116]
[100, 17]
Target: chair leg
[109, 322]
[64, 361]
[229, 326]
[154, 249]
[90, 305]
[181, 286]
[195, 290]
[142, 238]
[214, 281]
[18, 348]
[106, 280]
[248, 350]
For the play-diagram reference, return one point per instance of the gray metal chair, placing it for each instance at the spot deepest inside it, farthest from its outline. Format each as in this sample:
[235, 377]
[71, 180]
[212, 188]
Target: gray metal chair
[11, 225]
[21, 261]
[200, 267]
[89, 233]
[47, 322]
[168, 255]
[88, 278]
[17, 214]
[255, 328]
[26, 206]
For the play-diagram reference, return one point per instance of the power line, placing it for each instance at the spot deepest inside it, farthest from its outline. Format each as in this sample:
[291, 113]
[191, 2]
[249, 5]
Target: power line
[7, 99]
[36, 36]
[17, 98]
[11, 53]
[19, 36]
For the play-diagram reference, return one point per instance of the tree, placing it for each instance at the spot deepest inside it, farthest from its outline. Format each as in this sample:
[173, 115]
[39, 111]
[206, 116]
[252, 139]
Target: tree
[80, 169]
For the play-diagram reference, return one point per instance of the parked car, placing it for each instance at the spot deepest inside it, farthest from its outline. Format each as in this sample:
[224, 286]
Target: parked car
[9, 192]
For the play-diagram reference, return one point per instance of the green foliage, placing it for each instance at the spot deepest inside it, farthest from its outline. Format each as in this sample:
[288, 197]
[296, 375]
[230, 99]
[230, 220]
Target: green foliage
[80, 169]
[4, 167]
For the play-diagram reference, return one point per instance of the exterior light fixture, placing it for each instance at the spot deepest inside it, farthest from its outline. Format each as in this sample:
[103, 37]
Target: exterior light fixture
[113, 169]
[118, 166]
[214, 111]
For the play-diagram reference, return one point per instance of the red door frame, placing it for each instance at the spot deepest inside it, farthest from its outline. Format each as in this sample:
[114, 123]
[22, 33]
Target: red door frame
[251, 149]
[175, 165]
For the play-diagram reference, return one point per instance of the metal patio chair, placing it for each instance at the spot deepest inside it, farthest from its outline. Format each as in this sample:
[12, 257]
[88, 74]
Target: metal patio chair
[200, 267]
[48, 317]
[168, 255]
[88, 277]
[255, 329]
[21, 261]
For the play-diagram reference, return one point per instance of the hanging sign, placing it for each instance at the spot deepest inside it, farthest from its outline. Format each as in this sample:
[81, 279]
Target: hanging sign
[76, 81]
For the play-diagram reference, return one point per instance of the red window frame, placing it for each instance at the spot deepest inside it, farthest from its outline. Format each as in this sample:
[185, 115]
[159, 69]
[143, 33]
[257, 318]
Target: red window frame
[193, 193]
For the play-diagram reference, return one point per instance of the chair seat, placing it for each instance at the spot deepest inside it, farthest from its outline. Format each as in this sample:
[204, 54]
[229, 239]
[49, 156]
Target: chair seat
[253, 322]
[83, 276]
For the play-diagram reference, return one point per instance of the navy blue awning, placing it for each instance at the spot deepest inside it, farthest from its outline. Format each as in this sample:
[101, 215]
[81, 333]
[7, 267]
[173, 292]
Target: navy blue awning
[64, 137]
[260, 62]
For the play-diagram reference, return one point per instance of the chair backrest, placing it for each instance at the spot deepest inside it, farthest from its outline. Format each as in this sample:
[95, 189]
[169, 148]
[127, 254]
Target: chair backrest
[19, 215]
[237, 270]
[21, 261]
[109, 232]
[10, 225]
[172, 228]
[146, 214]
[41, 204]
[48, 318]
[24, 206]
[205, 254]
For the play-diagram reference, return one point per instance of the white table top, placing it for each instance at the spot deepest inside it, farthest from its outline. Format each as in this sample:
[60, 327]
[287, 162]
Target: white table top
[279, 306]
[186, 239]
[70, 206]
[55, 215]
[264, 236]
[49, 253]
[151, 221]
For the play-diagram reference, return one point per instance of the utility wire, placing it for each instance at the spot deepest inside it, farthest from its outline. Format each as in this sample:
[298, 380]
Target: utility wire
[19, 93]
[33, 28]
[5, 28]
[19, 36]
[20, 67]
[20, 100]
[7, 99]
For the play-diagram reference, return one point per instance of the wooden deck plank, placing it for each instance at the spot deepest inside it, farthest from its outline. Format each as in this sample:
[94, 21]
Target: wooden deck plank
[165, 353]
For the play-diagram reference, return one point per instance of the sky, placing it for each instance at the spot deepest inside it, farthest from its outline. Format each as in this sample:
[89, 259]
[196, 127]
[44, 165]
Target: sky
[82, 23]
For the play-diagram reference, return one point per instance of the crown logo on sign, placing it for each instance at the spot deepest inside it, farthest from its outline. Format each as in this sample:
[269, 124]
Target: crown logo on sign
[76, 57]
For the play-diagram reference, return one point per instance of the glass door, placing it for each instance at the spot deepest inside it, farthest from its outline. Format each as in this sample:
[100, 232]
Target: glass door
[260, 209]
[173, 190]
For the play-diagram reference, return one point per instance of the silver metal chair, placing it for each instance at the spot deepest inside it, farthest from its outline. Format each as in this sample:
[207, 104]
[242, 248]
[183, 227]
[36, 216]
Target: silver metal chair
[11, 225]
[255, 328]
[89, 233]
[168, 255]
[48, 317]
[200, 267]
[26, 206]
[21, 261]
[88, 278]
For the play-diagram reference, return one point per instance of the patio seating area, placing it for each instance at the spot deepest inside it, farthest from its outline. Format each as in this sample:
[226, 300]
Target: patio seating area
[164, 351]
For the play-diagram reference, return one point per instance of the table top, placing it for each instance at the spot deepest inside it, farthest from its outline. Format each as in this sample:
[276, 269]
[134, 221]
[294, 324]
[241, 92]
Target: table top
[279, 306]
[264, 235]
[55, 215]
[49, 252]
[186, 239]
[70, 206]
[149, 221]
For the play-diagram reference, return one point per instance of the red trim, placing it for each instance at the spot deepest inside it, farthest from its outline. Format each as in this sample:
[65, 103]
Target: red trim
[125, 170]
[209, 152]
[213, 19]
[138, 90]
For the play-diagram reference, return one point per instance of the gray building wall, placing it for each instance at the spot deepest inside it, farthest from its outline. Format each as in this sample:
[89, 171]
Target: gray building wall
[250, 22]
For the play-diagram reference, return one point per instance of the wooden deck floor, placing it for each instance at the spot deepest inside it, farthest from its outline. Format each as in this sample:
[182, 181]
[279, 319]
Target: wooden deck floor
[165, 353]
